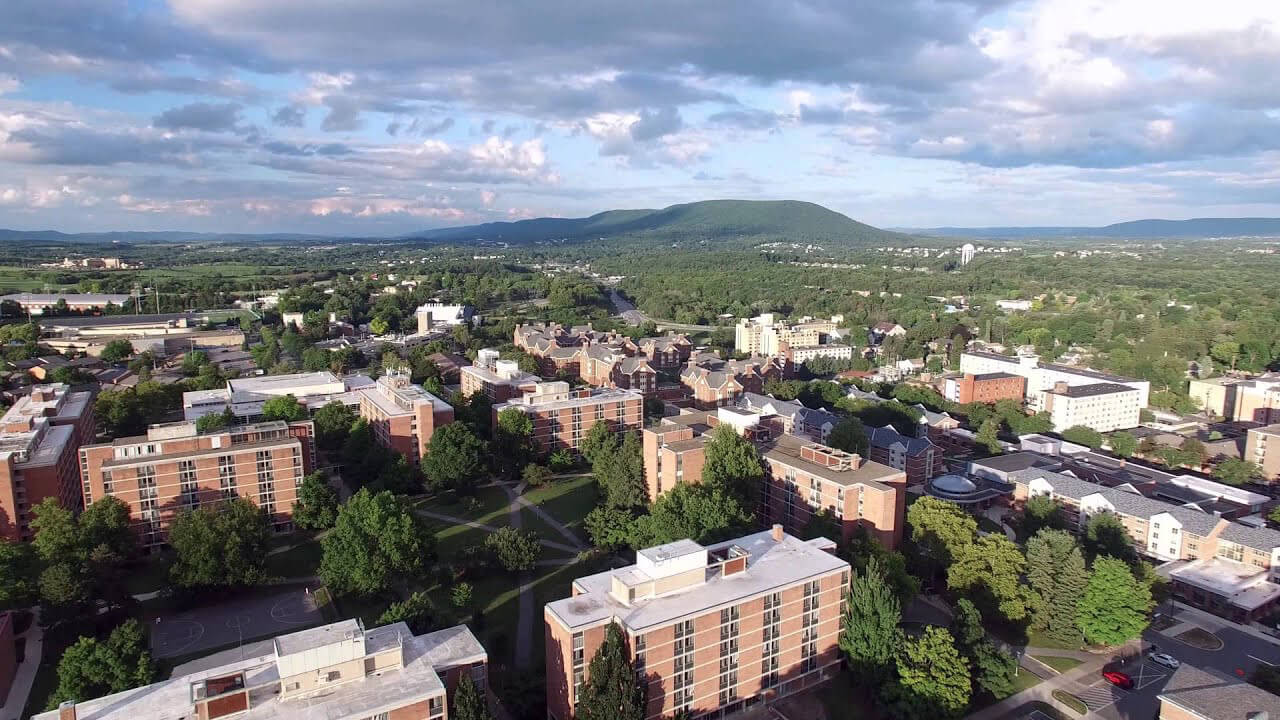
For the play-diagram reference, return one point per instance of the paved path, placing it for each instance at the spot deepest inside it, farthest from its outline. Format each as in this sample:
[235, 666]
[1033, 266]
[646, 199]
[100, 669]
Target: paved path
[524, 624]
[555, 524]
[490, 528]
[26, 672]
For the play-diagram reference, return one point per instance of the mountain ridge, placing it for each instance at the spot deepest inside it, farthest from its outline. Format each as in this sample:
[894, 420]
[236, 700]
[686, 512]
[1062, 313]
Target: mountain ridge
[1153, 228]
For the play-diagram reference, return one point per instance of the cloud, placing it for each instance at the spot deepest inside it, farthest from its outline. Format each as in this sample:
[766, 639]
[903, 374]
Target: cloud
[200, 116]
[290, 116]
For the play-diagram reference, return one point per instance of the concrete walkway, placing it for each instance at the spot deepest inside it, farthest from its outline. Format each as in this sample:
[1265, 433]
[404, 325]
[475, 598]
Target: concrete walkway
[524, 622]
[26, 671]
[548, 519]
[996, 515]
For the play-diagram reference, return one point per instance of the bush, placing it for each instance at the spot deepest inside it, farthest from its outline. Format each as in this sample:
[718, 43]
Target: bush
[515, 550]
[535, 475]
[1070, 701]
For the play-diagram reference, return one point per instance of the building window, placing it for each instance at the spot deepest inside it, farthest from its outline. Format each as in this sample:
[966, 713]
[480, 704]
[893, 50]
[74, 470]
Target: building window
[435, 706]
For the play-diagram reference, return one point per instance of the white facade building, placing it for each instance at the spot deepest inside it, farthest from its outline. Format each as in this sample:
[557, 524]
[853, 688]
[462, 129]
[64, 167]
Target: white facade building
[1043, 377]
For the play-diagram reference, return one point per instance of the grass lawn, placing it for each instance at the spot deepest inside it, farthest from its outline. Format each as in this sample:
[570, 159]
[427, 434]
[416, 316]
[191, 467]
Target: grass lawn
[1061, 664]
[300, 561]
[1039, 639]
[1024, 681]
[489, 506]
[568, 501]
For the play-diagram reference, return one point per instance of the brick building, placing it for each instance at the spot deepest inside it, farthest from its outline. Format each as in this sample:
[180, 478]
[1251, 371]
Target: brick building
[174, 467]
[667, 352]
[715, 382]
[562, 416]
[985, 388]
[710, 629]
[39, 438]
[801, 476]
[403, 415]
[8, 655]
[339, 671]
[918, 457]
[1195, 693]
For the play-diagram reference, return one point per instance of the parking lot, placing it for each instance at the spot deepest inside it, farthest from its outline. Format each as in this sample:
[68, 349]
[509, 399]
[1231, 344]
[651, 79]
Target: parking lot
[1148, 679]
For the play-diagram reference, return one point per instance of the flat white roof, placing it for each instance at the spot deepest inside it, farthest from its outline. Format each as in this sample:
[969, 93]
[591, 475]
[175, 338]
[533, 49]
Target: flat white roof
[277, 383]
[770, 565]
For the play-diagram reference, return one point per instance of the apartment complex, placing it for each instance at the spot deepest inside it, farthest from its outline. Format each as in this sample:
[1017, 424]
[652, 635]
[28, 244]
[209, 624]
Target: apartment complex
[562, 416]
[666, 352]
[1262, 448]
[605, 366]
[498, 380]
[601, 359]
[796, 418]
[714, 382]
[245, 396]
[1229, 568]
[174, 467]
[710, 629]
[1195, 693]
[1101, 406]
[39, 437]
[804, 340]
[340, 671]
[802, 477]
[918, 457]
[1241, 400]
[403, 415]
[985, 388]
[1043, 378]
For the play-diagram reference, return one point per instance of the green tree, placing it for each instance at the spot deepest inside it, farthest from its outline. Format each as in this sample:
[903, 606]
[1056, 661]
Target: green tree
[512, 446]
[941, 530]
[57, 538]
[223, 545]
[214, 421]
[933, 680]
[468, 703]
[732, 463]
[1040, 512]
[284, 407]
[1105, 534]
[992, 567]
[966, 624]
[609, 527]
[455, 458]
[65, 585]
[599, 441]
[989, 436]
[92, 668]
[398, 476]
[333, 424]
[849, 435]
[620, 475]
[315, 360]
[1057, 574]
[515, 550]
[1123, 443]
[1114, 607]
[611, 691]
[701, 512]
[417, 612]
[535, 475]
[116, 350]
[103, 530]
[462, 595]
[822, 524]
[869, 634]
[377, 539]
[317, 506]
[20, 569]
[1234, 471]
[993, 669]
[1083, 435]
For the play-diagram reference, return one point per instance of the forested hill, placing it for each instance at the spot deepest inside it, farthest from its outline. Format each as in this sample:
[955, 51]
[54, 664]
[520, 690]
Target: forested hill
[784, 219]
[1194, 228]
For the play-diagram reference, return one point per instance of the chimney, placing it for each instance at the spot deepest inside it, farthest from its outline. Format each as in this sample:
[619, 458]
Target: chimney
[1060, 387]
[777, 537]
[67, 710]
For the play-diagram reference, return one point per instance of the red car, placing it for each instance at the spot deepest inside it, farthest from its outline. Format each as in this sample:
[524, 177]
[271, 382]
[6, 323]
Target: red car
[1118, 679]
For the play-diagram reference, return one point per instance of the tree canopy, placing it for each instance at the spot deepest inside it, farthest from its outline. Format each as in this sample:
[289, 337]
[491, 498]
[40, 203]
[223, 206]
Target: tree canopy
[222, 545]
[611, 690]
[1114, 607]
[733, 463]
[455, 458]
[284, 407]
[317, 505]
[376, 541]
[92, 668]
[869, 633]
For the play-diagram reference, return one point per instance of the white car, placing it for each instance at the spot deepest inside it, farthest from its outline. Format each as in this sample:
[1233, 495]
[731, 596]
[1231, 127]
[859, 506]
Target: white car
[1164, 659]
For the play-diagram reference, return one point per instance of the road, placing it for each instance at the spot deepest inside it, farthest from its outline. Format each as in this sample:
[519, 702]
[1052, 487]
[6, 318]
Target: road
[1241, 653]
[627, 311]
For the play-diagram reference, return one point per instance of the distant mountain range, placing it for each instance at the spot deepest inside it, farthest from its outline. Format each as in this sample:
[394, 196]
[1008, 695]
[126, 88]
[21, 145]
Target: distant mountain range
[711, 219]
[803, 221]
[1146, 229]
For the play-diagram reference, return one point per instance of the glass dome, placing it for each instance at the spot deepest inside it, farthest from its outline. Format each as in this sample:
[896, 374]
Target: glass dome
[954, 484]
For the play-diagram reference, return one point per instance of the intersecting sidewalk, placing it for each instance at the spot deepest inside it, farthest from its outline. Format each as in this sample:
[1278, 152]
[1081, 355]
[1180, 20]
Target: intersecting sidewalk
[1069, 681]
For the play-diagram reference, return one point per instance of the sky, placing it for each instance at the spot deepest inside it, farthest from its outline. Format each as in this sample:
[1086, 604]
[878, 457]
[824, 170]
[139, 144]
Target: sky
[382, 117]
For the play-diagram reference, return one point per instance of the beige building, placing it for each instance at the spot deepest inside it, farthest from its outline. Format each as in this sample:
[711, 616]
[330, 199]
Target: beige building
[717, 628]
[39, 438]
[1262, 448]
[339, 671]
[766, 335]
[562, 416]
[1102, 406]
[1043, 378]
[498, 380]
[1240, 400]
[403, 416]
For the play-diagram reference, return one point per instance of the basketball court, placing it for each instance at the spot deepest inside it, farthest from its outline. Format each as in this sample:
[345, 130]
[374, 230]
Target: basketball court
[234, 622]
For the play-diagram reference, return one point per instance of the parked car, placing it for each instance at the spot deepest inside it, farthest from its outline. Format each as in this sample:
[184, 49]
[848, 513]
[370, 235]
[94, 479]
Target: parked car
[1117, 678]
[1164, 659]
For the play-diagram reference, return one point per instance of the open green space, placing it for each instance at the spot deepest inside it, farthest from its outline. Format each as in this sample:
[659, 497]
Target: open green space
[1058, 663]
[568, 501]
[301, 560]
